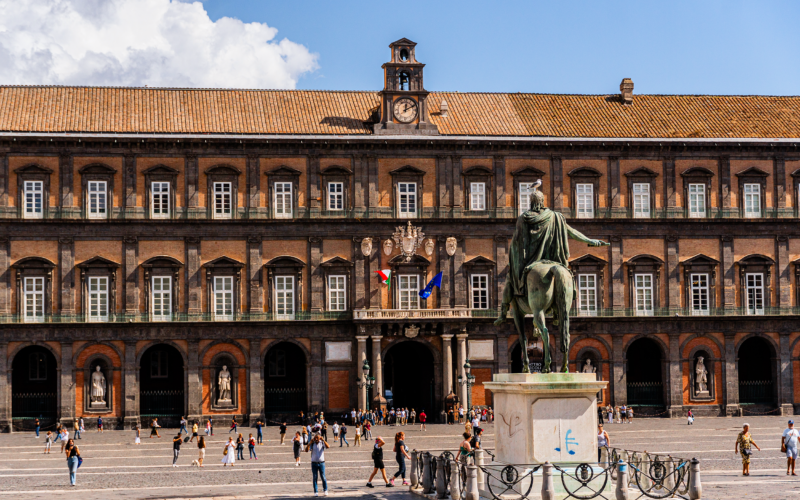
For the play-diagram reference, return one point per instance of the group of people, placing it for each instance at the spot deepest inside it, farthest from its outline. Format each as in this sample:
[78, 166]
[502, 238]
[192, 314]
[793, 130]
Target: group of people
[392, 416]
[615, 414]
[790, 441]
[483, 414]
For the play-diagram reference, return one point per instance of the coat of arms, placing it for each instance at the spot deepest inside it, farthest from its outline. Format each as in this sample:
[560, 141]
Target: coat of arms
[366, 247]
[408, 238]
[412, 331]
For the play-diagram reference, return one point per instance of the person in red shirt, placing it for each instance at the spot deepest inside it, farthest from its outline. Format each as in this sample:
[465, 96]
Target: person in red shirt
[422, 419]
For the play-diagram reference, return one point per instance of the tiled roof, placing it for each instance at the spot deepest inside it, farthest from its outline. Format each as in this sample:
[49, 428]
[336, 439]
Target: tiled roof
[212, 111]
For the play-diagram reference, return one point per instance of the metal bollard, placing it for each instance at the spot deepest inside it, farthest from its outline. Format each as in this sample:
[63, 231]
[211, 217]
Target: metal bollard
[479, 464]
[441, 481]
[622, 481]
[427, 484]
[455, 480]
[414, 469]
[472, 483]
[695, 487]
[548, 490]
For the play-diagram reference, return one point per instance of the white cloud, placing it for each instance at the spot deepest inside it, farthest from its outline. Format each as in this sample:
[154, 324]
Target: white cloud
[141, 42]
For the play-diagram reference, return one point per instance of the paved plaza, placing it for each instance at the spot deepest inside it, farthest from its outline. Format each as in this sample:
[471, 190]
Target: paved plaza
[115, 468]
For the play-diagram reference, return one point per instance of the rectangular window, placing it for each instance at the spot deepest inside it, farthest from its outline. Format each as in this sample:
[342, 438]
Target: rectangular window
[644, 294]
[480, 291]
[699, 291]
[98, 298]
[697, 200]
[223, 297]
[284, 297]
[755, 293]
[407, 199]
[335, 196]
[161, 298]
[337, 293]
[223, 200]
[587, 294]
[408, 286]
[159, 200]
[283, 200]
[641, 200]
[34, 199]
[477, 196]
[525, 192]
[34, 300]
[584, 199]
[752, 201]
[97, 194]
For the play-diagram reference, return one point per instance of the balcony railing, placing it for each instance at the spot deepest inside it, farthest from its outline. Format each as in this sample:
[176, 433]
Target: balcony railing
[182, 318]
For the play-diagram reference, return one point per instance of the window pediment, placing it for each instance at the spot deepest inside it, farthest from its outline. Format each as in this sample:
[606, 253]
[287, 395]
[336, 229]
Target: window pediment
[752, 172]
[160, 170]
[336, 170]
[479, 261]
[33, 168]
[584, 172]
[641, 172]
[97, 168]
[478, 170]
[416, 261]
[587, 262]
[528, 171]
[285, 261]
[33, 263]
[337, 262]
[796, 174]
[700, 260]
[163, 261]
[221, 262]
[756, 260]
[223, 170]
[407, 170]
[98, 262]
[695, 172]
[283, 170]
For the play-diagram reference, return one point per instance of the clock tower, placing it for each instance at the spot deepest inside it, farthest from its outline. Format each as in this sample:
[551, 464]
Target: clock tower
[404, 109]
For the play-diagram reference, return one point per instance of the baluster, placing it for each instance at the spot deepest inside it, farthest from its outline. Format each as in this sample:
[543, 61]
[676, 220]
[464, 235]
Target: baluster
[695, 487]
[441, 480]
[455, 480]
[472, 483]
[414, 469]
[427, 484]
[548, 490]
[479, 465]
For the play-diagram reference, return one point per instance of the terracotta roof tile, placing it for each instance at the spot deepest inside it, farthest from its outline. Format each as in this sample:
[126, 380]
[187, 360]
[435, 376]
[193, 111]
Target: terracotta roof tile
[200, 111]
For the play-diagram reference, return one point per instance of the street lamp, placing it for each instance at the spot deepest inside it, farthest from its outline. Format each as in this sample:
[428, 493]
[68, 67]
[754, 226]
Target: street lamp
[468, 382]
[368, 382]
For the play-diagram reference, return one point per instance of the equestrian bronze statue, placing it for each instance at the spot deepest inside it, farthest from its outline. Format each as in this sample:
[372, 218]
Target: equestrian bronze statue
[539, 279]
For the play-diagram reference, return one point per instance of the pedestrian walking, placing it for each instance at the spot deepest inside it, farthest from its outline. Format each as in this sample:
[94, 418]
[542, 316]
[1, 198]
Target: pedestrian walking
[460, 414]
[73, 460]
[450, 417]
[211, 426]
[789, 446]
[630, 414]
[413, 416]
[240, 447]
[475, 442]
[743, 443]
[64, 438]
[317, 449]
[610, 414]
[48, 442]
[183, 425]
[343, 436]
[100, 424]
[138, 435]
[357, 441]
[377, 460]
[401, 453]
[176, 448]
[229, 453]
[297, 442]
[251, 445]
[260, 432]
[422, 418]
[194, 432]
[77, 428]
[36, 427]
[465, 450]
[368, 430]
[58, 432]
[81, 425]
[234, 426]
[603, 441]
[154, 428]
[690, 418]
[208, 427]
[335, 431]
[323, 429]
[305, 436]
[201, 450]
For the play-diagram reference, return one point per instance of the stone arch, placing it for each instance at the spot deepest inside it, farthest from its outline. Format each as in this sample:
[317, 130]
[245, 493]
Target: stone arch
[701, 336]
[152, 343]
[78, 362]
[578, 338]
[775, 347]
[437, 355]
[23, 345]
[423, 380]
[241, 360]
[273, 342]
[664, 348]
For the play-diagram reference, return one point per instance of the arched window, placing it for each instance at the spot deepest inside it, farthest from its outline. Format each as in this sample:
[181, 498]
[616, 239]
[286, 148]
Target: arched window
[402, 81]
[404, 54]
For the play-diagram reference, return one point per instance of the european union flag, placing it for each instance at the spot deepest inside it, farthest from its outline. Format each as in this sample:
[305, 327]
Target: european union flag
[428, 290]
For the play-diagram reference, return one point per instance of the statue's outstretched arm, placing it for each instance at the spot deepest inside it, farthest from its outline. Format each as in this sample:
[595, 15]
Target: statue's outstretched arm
[577, 235]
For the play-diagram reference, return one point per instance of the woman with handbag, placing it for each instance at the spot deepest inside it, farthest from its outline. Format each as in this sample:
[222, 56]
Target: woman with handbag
[229, 453]
[743, 442]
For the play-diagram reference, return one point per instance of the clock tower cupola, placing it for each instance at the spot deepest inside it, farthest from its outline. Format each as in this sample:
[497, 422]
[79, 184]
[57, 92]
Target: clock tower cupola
[404, 109]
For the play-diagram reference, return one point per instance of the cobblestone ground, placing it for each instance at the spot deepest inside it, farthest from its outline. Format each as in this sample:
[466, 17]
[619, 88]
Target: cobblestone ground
[114, 468]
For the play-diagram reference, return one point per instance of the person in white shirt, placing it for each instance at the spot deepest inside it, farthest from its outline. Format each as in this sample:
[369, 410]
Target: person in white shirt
[475, 424]
[789, 443]
[460, 414]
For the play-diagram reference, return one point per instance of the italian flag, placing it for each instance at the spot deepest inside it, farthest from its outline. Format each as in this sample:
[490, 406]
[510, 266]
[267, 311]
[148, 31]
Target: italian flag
[386, 276]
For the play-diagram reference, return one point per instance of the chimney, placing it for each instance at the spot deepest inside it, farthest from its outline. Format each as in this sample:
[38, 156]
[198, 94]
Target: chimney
[626, 91]
[444, 109]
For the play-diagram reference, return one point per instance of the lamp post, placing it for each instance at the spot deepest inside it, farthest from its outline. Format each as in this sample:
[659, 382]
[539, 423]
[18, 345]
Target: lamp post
[368, 382]
[469, 382]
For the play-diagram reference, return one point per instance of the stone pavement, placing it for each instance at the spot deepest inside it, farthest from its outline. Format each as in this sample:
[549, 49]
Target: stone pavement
[114, 468]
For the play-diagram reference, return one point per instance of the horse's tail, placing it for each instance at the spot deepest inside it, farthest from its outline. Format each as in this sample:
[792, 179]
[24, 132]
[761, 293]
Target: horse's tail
[562, 299]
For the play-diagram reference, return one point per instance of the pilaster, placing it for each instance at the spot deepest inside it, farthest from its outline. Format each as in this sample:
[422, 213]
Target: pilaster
[374, 193]
[192, 176]
[728, 272]
[360, 284]
[66, 266]
[194, 384]
[129, 184]
[731, 377]
[786, 392]
[779, 168]
[725, 181]
[317, 389]
[499, 167]
[456, 183]
[193, 276]
[131, 274]
[253, 184]
[130, 387]
[614, 185]
[675, 377]
[673, 274]
[669, 184]
[557, 184]
[255, 285]
[312, 163]
[316, 273]
[445, 294]
[617, 275]
[501, 270]
[65, 180]
[5, 276]
[255, 377]
[67, 381]
[5, 389]
[3, 180]
[619, 383]
[783, 271]
[373, 280]
[360, 181]
[459, 273]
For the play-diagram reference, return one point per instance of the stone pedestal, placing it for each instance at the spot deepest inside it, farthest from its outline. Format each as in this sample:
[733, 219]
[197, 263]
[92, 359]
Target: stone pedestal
[545, 417]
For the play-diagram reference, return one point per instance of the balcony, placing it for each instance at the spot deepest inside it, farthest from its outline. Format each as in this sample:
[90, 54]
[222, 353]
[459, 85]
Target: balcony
[422, 314]
[182, 318]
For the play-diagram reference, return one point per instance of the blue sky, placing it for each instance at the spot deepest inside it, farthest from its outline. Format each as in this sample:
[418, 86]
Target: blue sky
[675, 47]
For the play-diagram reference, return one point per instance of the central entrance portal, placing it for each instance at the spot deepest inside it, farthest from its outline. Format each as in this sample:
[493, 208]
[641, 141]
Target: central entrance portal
[161, 384]
[408, 377]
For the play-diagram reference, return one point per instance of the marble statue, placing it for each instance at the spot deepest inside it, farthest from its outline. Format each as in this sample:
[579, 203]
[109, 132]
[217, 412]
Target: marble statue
[700, 376]
[588, 367]
[539, 279]
[98, 388]
[224, 385]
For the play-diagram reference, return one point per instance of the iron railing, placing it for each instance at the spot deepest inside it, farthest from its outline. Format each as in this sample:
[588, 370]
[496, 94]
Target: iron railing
[34, 405]
[181, 318]
[756, 392]
[161, 403]
[645, 393]
[285, 399]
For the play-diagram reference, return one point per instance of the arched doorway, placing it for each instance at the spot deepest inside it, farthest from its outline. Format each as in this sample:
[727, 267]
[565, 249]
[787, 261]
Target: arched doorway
[34, 388]
[408, 377]
[161, 383]
[757, 367]
[644, 374]
[285, 380]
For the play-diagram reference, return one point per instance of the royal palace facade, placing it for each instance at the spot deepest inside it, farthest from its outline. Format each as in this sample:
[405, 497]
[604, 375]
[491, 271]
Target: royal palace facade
[155, 236]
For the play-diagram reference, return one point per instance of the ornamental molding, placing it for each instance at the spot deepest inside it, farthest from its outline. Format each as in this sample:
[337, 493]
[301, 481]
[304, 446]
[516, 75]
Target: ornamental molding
[408, 239]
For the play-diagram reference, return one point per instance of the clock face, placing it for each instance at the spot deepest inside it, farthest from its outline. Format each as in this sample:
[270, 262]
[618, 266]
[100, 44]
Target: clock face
[405, 110]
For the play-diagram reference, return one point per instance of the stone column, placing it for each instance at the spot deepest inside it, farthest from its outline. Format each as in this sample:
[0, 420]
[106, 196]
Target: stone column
[557, 184]
[462, 358]
[728, 273]
[66, 264]
[194, 382]
[784, 273]
[255, 284]
[731, 377]
[362, 355]
[377, 370]
[447, 371]
[255, 390]
[315, 272]
[785, 394]
[617, 276]
[130, 386]
[194, 287]
[675, 377]
[673, 274]
[618, 379]
[317, 390]
[5, 389]
[130, 269]
[67, 380]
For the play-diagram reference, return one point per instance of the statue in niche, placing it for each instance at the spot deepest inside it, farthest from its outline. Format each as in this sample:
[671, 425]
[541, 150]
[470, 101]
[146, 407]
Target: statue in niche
[701, 376]
[588, 367]
[224, 381]
[98, 394]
